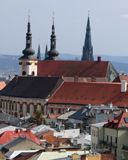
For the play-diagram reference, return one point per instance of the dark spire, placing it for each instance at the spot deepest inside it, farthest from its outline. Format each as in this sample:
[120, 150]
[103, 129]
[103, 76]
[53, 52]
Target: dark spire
[38, 53]
[53, 53]
[88, 48]
[28, 51]
[46, 52]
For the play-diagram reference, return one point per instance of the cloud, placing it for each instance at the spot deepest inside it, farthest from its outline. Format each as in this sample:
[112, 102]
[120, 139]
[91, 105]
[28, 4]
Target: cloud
[124, 16]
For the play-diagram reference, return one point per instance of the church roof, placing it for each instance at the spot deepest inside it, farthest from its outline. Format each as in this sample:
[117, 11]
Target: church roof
[73, 68]
[30, 87]
[90, 93]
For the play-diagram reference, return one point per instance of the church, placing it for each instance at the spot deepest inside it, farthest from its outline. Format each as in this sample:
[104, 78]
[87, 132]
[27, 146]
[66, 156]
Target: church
[39, 80]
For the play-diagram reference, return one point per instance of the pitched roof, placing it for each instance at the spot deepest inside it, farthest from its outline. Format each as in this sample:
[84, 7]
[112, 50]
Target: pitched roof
[8, 136]
[73, 68]
[66, 115]
[30, 87]
[90, 93]
[83, 113]
[121, 121]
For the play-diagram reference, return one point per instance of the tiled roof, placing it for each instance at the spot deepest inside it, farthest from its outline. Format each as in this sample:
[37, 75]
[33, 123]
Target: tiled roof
[8, 136]
[48, 136]
[120, 121]
[30, 87]
[73, 68]
[90, 93]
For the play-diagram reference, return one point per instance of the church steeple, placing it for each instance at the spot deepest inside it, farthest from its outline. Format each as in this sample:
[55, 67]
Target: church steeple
[28, 51]
[88, 48]
[38, 53]
[53, 53]
[28, 62]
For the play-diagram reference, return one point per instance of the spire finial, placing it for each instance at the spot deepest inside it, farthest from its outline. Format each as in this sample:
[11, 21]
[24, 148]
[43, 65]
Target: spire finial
[53, 17]
[88, 13]
[29, 16]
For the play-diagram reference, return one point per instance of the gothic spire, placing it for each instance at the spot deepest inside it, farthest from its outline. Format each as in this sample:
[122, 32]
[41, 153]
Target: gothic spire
[38, 53]
[88, 48]
[28, 51]
[46, 52]
[53, 53]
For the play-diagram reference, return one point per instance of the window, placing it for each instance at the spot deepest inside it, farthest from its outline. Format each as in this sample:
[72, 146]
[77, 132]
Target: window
[115, 139]
[111, 140]
[59, 111]
[28, 109]
[33, 73]
[52, 110]
[107, 138]
[23, 73]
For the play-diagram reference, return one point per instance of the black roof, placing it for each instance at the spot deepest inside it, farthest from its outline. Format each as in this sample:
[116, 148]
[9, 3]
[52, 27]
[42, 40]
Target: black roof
[83, 113]
[31, 87]
[15, 142]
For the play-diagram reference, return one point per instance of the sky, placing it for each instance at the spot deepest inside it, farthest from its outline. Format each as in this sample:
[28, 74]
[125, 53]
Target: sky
[109, 25]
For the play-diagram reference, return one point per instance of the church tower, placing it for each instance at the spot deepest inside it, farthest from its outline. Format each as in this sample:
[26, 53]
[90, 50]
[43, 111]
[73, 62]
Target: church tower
[28, 62]
[88, 48]
[52, 54]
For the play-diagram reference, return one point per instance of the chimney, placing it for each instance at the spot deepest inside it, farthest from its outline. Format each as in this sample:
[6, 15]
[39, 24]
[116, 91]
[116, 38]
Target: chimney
[123, 86]
[98, 59]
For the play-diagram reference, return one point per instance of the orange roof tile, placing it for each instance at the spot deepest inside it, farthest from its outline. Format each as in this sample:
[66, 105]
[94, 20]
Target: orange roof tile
[90, 93]
[8, 136]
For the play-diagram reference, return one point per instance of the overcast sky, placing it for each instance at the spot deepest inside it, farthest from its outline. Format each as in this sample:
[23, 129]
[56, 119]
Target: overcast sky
[109, 25]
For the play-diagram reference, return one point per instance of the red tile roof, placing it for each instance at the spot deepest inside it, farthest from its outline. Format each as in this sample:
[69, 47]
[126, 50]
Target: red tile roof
[73, 68]
[120, 121]
[90, 93]
[54, 140]
[8, 136]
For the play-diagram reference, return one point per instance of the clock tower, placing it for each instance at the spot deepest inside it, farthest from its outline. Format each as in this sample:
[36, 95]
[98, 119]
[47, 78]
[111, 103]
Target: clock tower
[28, 62]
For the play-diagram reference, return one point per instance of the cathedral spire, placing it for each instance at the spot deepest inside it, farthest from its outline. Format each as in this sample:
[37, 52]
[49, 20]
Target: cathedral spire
[53, 53]
[38, 53]
[46, 52]
[88, 48]
[28, 51]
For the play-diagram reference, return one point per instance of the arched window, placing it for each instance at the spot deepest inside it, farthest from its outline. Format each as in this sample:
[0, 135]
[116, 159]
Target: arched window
[33, 73]
[23, 73]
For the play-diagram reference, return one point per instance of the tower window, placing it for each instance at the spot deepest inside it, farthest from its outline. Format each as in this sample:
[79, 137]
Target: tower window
[28, 63]
[23, 73]
[20, 63]
[33, 73]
